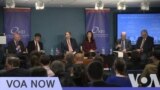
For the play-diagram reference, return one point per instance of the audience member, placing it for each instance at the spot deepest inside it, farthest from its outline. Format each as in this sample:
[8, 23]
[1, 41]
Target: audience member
[79, 75]
[38, 72]
[78, 58]
[152, 68]
[34, 61]
[99, 59]
[119, 79]
[58, 68]
[95, 74]
[45, 62]
[13, 69]
[69, 58]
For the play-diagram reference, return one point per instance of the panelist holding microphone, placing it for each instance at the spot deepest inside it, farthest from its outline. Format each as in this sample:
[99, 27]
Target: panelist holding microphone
[16, 46]
[69, 44]
[144, 45]
[36, 44]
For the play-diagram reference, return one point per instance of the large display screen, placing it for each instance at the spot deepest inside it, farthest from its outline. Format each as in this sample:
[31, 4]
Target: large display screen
[132, 24]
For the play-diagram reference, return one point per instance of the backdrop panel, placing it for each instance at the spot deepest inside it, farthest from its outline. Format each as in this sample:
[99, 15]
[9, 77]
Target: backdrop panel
[17, 20]
[97, 21]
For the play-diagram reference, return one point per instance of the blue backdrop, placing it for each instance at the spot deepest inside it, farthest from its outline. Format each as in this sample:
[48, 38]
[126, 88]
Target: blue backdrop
[17, 20]
[132, 24]
[97, 21]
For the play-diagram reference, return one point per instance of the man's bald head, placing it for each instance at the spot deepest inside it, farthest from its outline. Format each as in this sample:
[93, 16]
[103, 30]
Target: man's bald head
[16, 36]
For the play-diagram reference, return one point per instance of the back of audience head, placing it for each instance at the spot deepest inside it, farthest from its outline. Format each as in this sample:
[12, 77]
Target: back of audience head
[34, 61]
[69, 57]
[45, 60]
[38, 54]
[78, 70]
[119, 66]
[95, 71]
[69, 63]
[156, 55]
[78, 57]
[38, 72]
[99, 59]
[12, 62]
[57, 67]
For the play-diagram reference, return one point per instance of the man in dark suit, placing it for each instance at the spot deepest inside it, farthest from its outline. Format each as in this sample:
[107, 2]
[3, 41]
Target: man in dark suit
[36, 44]
[13, 69]
[144, 45]
[95, 73]
[152, 68]
[123, 44]
[16, 46]
[69, 44]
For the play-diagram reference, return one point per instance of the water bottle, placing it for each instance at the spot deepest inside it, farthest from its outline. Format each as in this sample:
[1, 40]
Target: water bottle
[57, 51]
[103, 51]
[51, 51]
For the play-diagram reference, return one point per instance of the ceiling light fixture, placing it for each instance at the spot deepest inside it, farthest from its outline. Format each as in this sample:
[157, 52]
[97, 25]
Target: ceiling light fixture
[121, 5]
[145, 5]
[39, 5]
[99, 5]
[10, 4]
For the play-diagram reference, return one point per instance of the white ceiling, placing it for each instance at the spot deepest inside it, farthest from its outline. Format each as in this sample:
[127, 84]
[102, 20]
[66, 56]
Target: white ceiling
[81, 3]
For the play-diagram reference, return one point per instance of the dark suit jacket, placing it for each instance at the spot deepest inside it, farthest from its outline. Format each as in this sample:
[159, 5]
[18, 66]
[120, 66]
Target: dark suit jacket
[148, 44]
[101, 84]
[32, 47]
[12, 47]
[64, 45]
[17, 72]
[127, 44]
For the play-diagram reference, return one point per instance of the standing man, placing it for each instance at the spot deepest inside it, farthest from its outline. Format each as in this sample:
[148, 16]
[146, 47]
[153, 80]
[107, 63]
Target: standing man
[69, 44]
[36, 44]
[144, 45]
[16, 46]
[123, 44]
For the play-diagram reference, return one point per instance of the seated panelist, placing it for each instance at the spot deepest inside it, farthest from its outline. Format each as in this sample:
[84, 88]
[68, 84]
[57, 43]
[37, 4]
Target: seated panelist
[16, 46]
[123, 44]
[36, 44]
[69, 44]
[145, 45]
[89, 44]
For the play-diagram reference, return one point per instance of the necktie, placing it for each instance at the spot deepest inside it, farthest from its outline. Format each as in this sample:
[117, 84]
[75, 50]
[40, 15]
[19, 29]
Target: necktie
[142, 43]
[16, 43]
[123, 45]
[17, 49]
[36, 46]
[69, 46]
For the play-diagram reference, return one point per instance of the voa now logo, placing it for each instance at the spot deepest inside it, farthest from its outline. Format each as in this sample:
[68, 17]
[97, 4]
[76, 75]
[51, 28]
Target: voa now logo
[97, 30]
[17, 30]
[136, 80]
